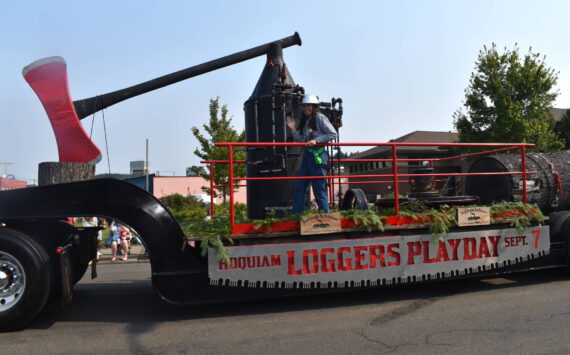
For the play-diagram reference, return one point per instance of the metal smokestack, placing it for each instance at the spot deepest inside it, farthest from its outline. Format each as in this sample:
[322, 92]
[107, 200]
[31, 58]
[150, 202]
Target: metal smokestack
[274, 96]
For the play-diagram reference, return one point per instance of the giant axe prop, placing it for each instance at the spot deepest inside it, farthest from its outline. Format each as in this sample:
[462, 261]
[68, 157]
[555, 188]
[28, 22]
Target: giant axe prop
[48, 79]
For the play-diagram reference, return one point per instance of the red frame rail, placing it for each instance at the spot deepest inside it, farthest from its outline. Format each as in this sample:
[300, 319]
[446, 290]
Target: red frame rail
[395, 176]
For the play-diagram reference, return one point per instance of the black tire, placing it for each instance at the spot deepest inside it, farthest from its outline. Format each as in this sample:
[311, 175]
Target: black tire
[25, 279]
[50, 235]
[355, 199]
[555, 222]
[559, 223]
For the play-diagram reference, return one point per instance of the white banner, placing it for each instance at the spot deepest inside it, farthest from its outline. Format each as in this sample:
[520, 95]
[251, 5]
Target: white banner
[377, 260]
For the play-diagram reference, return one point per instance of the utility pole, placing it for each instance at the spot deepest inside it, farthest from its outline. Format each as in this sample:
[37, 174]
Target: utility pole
[6, 168]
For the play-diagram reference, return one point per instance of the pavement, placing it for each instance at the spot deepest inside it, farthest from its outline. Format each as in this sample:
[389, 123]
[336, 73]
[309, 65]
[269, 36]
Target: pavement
[119, 313]
[137, 254]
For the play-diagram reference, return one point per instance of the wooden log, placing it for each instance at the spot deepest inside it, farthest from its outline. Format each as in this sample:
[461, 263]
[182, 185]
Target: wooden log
[549, 188]
[50, 173]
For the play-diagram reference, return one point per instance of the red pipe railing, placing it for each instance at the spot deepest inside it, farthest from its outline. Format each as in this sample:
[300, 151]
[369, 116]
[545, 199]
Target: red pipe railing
[212, 188]
[523, 168]
[375, 175]
[395, 176]
[231, 183]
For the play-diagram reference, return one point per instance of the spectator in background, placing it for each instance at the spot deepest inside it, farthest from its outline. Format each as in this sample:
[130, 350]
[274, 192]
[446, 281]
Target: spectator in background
[115, 239]
[125, 240]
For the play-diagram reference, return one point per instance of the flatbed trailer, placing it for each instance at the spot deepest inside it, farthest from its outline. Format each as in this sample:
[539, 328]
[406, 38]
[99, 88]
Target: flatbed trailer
[42, 256]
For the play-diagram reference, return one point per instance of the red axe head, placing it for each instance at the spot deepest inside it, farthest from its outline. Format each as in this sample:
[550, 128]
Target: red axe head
[48, 79]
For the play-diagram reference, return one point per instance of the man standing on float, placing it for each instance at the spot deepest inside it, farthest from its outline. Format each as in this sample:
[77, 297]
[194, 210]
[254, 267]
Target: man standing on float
[314, 128]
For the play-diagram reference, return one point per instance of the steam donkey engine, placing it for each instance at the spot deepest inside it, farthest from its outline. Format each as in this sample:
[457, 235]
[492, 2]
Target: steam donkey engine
[275, 96]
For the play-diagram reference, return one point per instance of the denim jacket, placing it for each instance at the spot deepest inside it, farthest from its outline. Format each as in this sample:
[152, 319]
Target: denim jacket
[325, 131]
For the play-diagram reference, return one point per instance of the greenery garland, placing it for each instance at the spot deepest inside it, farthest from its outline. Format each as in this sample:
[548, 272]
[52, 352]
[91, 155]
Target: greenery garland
[440, 221]
[212, 233]
[523, 215]
[215, 231]
[368, 218]
[271, 219]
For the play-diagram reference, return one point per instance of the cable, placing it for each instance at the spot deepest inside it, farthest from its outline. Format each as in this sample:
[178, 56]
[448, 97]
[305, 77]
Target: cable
[106, 141]
[91, 131]
[92, 124]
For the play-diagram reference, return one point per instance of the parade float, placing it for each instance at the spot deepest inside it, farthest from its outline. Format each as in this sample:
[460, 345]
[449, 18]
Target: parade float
[509, 212]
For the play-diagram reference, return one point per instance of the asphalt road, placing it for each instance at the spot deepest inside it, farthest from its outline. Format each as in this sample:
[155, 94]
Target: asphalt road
[119, 313]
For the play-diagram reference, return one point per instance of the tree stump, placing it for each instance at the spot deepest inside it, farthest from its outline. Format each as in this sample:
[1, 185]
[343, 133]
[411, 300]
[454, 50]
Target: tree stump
[50, 173]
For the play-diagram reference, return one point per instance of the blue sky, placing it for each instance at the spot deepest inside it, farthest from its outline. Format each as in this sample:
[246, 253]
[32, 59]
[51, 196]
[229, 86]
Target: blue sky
[399, 66]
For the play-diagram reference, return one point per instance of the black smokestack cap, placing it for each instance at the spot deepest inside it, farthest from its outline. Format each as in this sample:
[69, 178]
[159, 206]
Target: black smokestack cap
[274, 69]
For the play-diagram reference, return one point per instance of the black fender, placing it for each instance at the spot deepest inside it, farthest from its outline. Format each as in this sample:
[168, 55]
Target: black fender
[178, 276]
[158, 229]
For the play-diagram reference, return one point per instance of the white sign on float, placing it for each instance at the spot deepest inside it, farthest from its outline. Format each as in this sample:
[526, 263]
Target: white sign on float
[377, 260]
[473, 216]
[320, 223]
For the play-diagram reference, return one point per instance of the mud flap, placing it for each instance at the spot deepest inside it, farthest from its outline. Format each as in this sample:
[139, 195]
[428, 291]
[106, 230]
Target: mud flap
[93, 250]
[93, 269]
[66, 279]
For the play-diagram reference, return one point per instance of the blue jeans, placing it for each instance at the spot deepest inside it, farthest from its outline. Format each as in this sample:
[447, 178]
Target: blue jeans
[310, 168]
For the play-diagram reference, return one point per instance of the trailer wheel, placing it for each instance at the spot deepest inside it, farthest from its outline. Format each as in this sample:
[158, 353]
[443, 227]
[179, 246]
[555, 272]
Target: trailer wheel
[559, 223]
[355, 199]
[556, 221]
[25, 279]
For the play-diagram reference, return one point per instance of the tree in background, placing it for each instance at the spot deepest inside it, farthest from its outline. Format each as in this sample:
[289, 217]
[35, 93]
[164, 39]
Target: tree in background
[563, 129]
[219, 130]
[508, 99]
[342, 155]
[183, 208]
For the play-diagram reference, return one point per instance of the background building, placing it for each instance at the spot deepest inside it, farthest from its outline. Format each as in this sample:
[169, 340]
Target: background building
[160, 186]
[384, 152]
[138, 167]
[11, 184]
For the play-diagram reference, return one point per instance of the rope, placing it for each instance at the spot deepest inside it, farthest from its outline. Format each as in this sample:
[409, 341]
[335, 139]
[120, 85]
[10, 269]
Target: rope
[91, 131]
[92, 124]
[106, 141]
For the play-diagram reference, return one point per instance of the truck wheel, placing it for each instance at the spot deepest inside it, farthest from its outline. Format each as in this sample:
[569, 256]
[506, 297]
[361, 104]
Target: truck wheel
[559, 223]
[25, 279]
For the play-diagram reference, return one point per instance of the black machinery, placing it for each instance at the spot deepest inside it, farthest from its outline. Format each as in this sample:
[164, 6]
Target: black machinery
[424, 192]
[274, 96]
